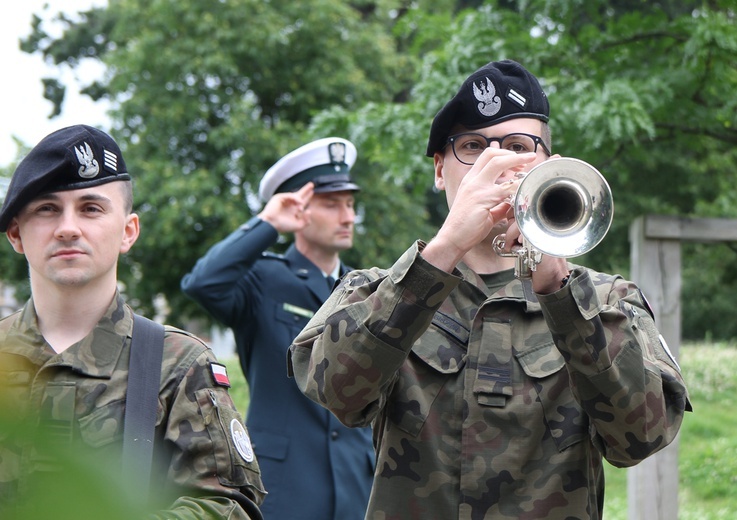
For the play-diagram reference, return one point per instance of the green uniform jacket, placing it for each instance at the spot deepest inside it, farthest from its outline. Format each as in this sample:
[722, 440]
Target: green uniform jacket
[66, 411]
[491, 406]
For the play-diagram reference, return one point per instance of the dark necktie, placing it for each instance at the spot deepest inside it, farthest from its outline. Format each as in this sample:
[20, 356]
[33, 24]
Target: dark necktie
[331, 282]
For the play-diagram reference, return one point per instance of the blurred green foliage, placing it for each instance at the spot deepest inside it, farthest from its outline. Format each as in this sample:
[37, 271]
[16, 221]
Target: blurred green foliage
[208, 95]
[71, 486]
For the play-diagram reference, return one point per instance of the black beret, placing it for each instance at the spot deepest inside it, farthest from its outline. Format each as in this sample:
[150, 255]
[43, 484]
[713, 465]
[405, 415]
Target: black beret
[498, 91]
[72, 158]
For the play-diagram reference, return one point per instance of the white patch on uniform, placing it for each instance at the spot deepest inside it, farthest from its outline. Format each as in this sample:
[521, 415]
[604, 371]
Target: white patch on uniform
[241, 440]
[667, 351]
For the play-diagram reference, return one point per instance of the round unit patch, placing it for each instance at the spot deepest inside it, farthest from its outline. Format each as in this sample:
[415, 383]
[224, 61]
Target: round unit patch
[240, 440]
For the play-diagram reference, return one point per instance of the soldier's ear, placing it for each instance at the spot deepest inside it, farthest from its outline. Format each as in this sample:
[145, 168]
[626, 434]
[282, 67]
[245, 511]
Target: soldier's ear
[439, 163]
[13, 236]
[130, 233]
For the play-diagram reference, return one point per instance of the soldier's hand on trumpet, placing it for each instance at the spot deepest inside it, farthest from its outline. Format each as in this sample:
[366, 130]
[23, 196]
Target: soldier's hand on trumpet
[478, 203]
[549, 272]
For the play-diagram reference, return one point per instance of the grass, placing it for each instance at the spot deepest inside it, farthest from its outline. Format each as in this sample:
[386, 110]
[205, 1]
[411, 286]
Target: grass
[707, 459]
[238, 387]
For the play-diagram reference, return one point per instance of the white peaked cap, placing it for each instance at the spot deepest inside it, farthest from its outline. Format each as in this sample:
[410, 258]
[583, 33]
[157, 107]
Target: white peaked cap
[326, 162]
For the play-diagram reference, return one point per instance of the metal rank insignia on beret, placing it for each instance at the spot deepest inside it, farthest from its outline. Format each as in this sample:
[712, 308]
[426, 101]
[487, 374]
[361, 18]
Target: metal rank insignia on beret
[325, 162]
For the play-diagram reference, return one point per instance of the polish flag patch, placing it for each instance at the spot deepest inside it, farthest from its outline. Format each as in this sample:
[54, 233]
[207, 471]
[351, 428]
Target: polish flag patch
[220, 374]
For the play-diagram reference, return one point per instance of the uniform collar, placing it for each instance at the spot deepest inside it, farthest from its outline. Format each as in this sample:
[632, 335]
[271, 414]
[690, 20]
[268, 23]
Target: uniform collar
[309, 272]
[515, 291]
[94, 355]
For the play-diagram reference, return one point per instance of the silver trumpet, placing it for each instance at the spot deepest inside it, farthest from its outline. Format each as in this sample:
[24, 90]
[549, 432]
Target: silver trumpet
[563, 208]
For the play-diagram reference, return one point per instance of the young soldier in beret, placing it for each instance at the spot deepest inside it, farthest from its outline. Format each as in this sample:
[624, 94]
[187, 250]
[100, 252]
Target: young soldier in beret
[314, 467]
[64, 357]
[491, 396]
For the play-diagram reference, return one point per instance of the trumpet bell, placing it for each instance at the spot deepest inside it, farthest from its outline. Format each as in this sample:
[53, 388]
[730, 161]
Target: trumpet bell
[564, 207]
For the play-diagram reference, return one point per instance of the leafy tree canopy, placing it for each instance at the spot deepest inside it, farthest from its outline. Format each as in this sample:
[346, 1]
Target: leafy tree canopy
[209, 94]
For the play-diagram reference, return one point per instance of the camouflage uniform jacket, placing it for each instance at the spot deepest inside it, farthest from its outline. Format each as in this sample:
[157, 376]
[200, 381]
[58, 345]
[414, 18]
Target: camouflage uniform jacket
[494, 406]
[78, 398]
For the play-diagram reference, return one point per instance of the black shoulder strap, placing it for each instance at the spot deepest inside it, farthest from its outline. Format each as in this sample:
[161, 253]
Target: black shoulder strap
[141, 403]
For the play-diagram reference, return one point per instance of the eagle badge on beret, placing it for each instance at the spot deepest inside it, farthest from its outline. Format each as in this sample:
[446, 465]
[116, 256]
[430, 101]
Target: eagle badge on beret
[89, 167]
[489, 102]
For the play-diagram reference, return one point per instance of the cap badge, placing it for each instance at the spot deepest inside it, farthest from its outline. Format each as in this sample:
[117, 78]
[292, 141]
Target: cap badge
[489, 103]
[89, 167]
[337, 154]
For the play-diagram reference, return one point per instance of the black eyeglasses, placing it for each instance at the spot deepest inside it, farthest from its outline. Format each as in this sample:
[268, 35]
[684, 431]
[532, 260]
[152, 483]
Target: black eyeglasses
[468, 146]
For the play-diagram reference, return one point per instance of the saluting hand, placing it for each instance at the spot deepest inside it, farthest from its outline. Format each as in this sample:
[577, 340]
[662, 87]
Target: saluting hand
[287, 211]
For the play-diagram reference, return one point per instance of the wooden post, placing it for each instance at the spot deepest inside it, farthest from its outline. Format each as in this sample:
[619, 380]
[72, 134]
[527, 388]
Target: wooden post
[652, 485]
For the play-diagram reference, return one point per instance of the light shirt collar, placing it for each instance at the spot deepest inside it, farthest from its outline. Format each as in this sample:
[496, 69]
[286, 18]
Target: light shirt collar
[335, 274]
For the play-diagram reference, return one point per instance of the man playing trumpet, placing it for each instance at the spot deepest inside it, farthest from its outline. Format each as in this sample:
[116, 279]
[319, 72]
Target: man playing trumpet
[491, 395]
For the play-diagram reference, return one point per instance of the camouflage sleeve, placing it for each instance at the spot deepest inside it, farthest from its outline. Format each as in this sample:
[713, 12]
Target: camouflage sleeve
[622, 372]
[211, 463]
[348, 355]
